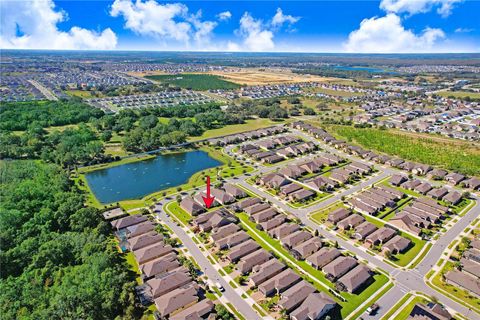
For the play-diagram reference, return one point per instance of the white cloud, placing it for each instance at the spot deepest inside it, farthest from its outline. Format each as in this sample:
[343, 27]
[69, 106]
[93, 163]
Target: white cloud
[419, 6]
[256, 36]
[387, 35]
[33, 25]
[279, 18]
[464, 30]
[223, 16]
[170, 21]
[153, 19]
[203, 29]
[259, 35]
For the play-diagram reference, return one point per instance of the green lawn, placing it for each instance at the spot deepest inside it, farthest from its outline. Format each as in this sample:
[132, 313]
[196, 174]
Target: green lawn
[460, 295]
[133, 265]
[202, 82]
[301, 267]
[461, 156]
[321, 216]
[249, 125]
[178, 213]
[405, 311]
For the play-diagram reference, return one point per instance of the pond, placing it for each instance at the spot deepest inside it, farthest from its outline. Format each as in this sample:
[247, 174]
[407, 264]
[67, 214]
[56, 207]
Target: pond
[366, 69]
[138, 179]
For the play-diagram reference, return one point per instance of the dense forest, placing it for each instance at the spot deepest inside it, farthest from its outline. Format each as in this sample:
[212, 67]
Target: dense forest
[20, 115]
[141, 130]
[58, 261]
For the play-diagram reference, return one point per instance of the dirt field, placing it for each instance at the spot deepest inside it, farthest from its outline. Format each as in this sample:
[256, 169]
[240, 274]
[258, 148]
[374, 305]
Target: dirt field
[145, 73]
[267, 76]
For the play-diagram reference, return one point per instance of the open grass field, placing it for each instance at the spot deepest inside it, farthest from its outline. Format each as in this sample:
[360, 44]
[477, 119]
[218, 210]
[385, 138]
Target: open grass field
[249, 125]
[195, 81]
[459, 94]
[461, 157]
[267, 76]
[80, 93]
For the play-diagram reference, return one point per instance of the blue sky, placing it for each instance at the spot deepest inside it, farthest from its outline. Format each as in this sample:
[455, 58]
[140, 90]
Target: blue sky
[305, 26]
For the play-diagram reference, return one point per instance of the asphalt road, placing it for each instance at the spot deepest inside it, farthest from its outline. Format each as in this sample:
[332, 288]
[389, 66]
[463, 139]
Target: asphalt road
[232, 296]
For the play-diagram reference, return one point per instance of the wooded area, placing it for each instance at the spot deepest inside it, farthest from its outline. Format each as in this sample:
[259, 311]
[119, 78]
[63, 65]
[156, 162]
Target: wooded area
[58, 260]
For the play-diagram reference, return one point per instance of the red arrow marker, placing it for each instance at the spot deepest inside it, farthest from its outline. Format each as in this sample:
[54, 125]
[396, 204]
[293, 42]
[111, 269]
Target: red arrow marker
[208, 200]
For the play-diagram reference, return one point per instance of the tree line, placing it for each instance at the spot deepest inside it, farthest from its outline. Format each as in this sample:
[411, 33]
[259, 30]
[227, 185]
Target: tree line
[58, 260]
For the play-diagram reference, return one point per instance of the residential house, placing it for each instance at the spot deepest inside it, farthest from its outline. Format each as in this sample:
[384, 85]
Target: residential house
[301, 195]
[152, 252]
[273, 223]
[273, 180]
[337, 215]
[289, 188]
[232, 240]
[283, 230]
[139, 229]
[294, 296]
[128, 221]
[144, 240]
[454, 178]
[191, 206]
[472, 183]
[234, 191]
[407, 222]
[295, 238]
[438, 193]
[430, 311]
[355, 279]
[247, 262]
[380, 236]
[177, 299]
[364, 229]
[241, 250]
[214, 219]
[246, 203]
[307, 248]
[350, 222]
[279, 283]
[256, 208]
[464, 280]
[437, 174]
[199, 310]
[338, 267]
[423, 188]
[166, 282]
[223, 231]
[397, 244]
[263, 272]
[453, 197]
[314, 307]
[323, 257]
[160, 265]
[322, 183]
[264, 215]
